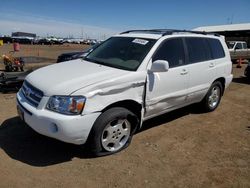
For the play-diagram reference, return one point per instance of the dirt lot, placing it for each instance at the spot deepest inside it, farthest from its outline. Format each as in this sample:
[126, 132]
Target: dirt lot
[48, 52]
[184, 148]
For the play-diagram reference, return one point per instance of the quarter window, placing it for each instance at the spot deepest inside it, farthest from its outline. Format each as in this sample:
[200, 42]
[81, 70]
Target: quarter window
[171, 50]
[216, 48]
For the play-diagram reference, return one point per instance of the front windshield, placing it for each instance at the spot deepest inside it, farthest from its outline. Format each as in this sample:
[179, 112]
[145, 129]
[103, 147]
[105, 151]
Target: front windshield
[230, 45]
[125, 53]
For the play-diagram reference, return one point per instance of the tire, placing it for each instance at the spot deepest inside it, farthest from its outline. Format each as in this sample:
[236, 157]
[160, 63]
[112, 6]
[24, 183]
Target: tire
[112, 131]
[213, 97]
[8, 68]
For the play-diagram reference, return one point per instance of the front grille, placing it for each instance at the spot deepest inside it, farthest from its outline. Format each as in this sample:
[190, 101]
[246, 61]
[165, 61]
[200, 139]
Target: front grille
[32, 94]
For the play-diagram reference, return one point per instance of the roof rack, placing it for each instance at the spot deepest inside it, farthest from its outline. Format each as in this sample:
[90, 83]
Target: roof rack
[164, 32]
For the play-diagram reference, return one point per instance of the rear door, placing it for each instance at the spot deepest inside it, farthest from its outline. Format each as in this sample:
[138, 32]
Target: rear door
[202, 68]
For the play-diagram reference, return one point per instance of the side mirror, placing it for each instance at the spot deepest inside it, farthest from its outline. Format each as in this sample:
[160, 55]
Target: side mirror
[159, 66]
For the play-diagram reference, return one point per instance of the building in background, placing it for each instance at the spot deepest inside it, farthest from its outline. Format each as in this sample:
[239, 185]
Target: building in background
[232, 32]
[23, 37]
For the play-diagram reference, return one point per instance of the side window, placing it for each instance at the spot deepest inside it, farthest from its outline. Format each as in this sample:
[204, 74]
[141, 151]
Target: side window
[198, 50]
[216, 48]
[171, 50]
[238, 46]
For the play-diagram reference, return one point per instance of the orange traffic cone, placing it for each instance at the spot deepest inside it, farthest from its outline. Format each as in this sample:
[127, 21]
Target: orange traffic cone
[239, 63]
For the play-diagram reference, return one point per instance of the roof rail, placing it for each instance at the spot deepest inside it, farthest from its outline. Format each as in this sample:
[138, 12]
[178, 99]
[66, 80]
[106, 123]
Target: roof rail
[164, 32]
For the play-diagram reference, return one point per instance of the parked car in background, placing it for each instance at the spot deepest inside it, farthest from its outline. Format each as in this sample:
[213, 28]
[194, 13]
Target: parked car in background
[73, 40]
[76, 55]
[131, 77]
[90, 41]
[49, 41]
[238, 49]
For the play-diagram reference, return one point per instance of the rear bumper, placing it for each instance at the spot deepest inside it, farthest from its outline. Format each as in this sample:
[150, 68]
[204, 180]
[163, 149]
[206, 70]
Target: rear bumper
[70, 129]
[228, 80]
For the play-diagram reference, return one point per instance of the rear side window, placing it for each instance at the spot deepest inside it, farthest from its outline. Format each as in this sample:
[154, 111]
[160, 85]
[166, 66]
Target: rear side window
[198, 50]
[171, 50]
[216, 48]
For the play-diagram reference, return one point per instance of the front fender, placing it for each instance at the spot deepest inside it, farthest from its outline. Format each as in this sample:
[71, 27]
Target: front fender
[130, 87]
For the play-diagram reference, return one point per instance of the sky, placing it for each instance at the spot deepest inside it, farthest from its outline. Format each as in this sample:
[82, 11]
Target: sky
[100, 18]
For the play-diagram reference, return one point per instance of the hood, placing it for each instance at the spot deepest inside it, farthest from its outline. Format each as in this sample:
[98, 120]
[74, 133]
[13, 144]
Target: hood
[66, 78]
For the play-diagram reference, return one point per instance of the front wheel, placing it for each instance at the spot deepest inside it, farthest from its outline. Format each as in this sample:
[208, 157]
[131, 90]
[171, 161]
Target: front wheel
[112, 131]
[213, 97]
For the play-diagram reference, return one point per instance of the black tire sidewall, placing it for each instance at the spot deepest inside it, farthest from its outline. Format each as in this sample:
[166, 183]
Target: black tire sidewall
[94, 140]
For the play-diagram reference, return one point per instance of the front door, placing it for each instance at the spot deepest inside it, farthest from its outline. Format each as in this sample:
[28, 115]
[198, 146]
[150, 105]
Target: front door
[167, 90]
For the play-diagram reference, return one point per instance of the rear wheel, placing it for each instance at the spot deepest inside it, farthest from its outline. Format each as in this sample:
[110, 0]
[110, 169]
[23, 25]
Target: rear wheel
[112, 131]
[213, 97]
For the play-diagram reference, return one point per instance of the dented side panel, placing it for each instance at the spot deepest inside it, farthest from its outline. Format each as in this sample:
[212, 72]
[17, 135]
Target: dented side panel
[101, 95]
[166, 90]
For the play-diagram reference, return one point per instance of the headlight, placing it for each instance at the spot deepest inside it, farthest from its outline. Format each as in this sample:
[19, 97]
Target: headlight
[70, 105]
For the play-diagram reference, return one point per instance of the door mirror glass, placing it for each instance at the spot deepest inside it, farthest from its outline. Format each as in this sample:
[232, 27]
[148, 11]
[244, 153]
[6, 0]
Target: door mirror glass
[159, 66]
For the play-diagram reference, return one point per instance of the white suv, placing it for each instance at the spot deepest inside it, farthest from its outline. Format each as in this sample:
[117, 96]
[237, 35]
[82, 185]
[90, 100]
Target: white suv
[134, 76]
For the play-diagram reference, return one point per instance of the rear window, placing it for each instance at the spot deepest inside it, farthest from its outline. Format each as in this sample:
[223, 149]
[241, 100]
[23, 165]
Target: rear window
[198, 50]
[216, 48]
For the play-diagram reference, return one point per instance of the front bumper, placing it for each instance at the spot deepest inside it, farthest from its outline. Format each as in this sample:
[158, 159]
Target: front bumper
[71, 129]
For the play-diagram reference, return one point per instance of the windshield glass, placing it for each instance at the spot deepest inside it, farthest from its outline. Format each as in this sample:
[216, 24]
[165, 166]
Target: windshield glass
[230, 45]
[125, 53]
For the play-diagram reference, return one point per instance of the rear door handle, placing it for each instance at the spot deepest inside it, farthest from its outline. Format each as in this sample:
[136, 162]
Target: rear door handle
[184, 71]
[211, 65]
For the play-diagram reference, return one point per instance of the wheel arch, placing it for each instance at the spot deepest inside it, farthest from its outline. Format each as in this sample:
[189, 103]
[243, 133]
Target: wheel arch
[222, 80]
[131, 105]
